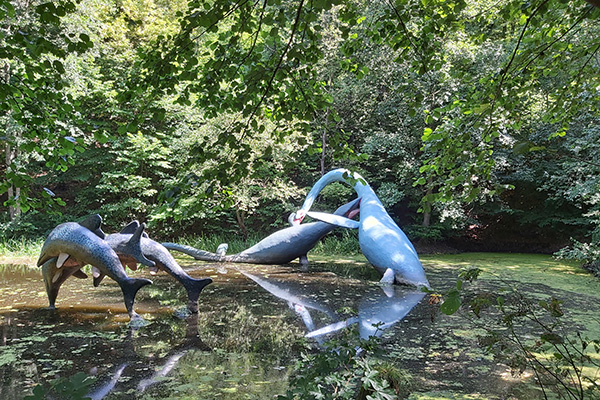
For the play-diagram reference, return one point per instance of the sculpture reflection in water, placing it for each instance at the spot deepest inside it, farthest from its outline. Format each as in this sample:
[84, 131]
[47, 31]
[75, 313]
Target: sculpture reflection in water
[377, 311]
[291, 293]
[130, 358]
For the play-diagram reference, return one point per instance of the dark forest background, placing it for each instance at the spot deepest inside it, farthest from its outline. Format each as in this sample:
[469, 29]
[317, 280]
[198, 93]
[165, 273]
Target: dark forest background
[475, 123]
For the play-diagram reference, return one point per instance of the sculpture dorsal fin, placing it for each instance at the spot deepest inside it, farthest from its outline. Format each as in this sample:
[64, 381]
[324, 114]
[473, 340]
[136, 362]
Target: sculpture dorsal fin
[130, 228]
[93, 223]
[134, 246]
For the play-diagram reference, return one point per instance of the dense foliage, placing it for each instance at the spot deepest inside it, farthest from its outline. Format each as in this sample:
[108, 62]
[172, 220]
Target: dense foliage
[214, 116]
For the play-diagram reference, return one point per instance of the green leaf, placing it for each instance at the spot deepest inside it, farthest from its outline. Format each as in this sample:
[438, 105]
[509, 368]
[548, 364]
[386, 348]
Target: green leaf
[451, 303]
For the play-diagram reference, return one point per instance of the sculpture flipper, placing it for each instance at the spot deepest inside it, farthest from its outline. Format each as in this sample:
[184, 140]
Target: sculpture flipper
[334, 219]
[388, 277]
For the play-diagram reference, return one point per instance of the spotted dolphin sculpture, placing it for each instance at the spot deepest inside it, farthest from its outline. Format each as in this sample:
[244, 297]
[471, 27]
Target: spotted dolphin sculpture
[281, 247]
[382, 242]
[160, 256]
[72, 245]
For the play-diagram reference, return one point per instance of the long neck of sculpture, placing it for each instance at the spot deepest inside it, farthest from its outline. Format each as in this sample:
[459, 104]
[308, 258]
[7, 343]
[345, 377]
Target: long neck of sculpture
[337, 175]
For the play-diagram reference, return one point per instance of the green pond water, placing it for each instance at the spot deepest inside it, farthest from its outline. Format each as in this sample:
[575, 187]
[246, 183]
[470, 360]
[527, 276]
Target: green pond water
[248, 334]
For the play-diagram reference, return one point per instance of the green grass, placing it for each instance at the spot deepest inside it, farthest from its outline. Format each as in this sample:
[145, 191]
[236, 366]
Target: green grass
[20, 248]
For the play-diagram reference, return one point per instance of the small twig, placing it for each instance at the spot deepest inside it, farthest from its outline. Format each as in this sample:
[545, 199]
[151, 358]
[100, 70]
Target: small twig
[539, 54]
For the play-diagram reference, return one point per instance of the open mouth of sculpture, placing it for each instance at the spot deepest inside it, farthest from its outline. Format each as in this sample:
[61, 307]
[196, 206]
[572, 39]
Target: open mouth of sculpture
[355, 210]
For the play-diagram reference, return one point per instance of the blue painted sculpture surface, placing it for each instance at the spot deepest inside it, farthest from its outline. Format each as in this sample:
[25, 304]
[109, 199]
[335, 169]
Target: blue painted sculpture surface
[281, 247]
[72, 245]
[159, 255]
[382, 242]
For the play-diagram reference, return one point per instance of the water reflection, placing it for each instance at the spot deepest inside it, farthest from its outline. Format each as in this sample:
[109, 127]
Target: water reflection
[105, 388]
[88, 333]
[164, 364]
[380, 307]
[241, 345]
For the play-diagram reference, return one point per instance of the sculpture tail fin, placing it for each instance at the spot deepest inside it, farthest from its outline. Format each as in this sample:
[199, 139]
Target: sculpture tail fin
[194, 287]
[130, 287]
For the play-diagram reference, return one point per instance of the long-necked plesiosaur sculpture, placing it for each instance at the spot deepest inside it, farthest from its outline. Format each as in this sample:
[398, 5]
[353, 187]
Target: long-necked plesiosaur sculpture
[281, 247]
[381, 241]
[72, 245]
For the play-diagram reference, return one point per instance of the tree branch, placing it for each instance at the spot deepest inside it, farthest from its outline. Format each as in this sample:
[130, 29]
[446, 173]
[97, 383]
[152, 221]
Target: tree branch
[277, 67]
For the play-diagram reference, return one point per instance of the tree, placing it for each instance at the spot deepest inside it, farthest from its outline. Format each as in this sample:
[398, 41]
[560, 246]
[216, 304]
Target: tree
[38, 114]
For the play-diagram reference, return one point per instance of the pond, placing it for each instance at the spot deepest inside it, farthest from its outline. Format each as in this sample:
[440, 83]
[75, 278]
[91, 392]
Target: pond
[244, 342]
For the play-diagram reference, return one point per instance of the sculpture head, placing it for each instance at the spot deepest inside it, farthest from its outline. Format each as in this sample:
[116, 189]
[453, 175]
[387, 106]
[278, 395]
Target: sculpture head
[297, 217]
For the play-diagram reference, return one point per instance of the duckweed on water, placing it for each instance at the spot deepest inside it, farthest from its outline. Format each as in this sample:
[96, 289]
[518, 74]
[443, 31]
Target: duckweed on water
[245, 341]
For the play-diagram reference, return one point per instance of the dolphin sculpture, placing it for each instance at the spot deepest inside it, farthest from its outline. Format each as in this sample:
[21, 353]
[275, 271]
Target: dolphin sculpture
[281, 247]
[381, 241]
[161, 258]
[72, 245]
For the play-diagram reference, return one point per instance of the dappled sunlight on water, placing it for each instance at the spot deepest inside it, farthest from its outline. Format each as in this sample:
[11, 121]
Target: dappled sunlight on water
[244, 341]
[240, 345]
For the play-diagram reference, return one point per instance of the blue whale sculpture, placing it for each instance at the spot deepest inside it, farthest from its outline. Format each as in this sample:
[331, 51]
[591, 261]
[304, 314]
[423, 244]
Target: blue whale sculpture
[281, 247]
[381, 241]
[72, 245]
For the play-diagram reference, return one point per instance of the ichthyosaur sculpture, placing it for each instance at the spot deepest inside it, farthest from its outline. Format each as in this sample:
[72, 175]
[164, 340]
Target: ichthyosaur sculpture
[72, 245]
[281, 247]
[121, 243]
[381, 241]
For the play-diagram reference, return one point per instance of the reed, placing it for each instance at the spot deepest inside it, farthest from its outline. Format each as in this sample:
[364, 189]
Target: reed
[21, 247]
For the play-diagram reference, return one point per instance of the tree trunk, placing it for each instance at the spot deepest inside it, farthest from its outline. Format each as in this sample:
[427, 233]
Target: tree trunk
[11, 152]
[240, 220]
[13, 211]
[427, 210]
[324, 143]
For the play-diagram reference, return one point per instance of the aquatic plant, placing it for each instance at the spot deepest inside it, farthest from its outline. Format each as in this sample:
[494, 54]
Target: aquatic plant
[347, 367]
[75, 387]
[530, 336]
